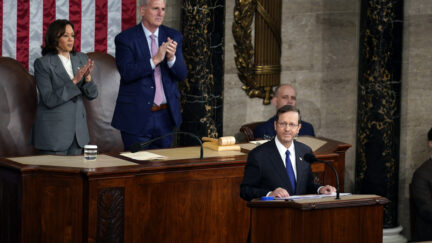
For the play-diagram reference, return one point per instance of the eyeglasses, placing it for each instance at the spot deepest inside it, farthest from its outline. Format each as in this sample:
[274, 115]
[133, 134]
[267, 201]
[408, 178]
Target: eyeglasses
[284, 125]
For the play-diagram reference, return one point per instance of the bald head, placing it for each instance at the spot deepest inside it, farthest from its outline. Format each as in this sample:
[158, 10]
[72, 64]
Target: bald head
[284, 95]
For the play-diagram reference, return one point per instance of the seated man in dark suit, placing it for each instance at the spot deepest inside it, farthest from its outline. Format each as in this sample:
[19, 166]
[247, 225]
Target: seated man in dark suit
[277, 168]
[284, 95]
[422, 195]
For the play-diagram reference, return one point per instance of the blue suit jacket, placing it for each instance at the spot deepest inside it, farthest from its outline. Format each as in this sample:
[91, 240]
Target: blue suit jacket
[137, 85]
[267, 129]
[265, 171]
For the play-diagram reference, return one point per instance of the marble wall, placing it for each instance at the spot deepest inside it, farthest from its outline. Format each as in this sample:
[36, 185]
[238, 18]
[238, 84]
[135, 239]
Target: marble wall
[320, 58]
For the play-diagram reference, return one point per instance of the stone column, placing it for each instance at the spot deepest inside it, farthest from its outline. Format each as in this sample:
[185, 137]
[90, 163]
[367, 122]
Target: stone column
[203, 23]
[379, 93]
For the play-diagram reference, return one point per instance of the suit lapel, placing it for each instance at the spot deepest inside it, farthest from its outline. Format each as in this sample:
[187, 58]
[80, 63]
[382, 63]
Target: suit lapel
[162, 36]
[75, 64]
[300, 165]
[59, 69]
[141, 40]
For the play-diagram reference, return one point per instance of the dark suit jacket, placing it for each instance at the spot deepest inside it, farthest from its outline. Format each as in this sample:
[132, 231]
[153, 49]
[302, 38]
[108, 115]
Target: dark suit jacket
[60, 112]
[422, 195]
[137, 85]
[265, 171]
[267, 129]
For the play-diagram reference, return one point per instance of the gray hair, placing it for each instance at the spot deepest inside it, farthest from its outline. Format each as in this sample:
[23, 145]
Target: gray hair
[145, 2]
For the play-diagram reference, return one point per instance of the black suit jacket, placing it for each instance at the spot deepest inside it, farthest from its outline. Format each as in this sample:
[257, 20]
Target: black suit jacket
[422, 194]
[265, 171]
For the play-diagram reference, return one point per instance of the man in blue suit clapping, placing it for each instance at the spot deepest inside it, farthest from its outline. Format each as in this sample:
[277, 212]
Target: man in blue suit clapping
[150, 61]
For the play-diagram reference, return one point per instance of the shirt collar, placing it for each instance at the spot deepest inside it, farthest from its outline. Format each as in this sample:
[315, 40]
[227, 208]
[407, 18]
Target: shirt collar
[148, 33]
[281, 148]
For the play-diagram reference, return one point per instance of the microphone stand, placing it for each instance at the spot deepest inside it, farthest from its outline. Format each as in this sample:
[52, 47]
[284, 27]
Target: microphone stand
[138, 146]
[311, 159]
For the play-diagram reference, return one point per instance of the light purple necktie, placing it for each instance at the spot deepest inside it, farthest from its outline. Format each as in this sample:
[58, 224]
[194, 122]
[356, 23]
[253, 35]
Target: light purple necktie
[157, 73]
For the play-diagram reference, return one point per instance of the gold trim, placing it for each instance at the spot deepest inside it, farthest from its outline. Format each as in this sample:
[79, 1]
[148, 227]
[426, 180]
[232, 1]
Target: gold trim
[258, 79]
[271, 22]
[268, 69]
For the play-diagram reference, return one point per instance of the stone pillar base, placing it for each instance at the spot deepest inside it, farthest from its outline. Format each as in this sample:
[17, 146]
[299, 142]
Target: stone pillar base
[392, 235]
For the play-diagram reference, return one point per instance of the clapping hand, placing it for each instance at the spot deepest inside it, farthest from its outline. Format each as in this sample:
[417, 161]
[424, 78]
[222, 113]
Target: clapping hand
[84, 71]
[167, 49]
[160, 55]
[90, 66]
[171, 49]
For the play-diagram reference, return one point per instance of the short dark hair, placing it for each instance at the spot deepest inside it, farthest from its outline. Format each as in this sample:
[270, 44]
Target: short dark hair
[287, 108]
[55, 30]
[430, 135]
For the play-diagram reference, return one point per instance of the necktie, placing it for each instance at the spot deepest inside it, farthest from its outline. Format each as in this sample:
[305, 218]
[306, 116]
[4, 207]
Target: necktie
[290, 170]
[157, 73]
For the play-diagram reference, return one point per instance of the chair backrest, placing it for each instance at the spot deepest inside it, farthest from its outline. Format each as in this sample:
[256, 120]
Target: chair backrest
[247, 130]
[100, 110]
[18, 100]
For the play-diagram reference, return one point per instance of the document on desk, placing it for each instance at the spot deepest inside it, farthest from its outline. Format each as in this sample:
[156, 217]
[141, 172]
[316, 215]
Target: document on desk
[259, 142]
[310, 196]
[142, 155]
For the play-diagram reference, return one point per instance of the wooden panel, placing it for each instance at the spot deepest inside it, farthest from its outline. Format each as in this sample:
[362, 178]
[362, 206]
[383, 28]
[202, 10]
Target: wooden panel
[52, 208]
[286, 223]
[186, 205]
[191, 206]
[110, 200]
[10, 201]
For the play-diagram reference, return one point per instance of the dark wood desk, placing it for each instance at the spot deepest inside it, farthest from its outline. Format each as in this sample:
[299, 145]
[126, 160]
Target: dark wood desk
[182, 200]
[161, 201]
[355, 218]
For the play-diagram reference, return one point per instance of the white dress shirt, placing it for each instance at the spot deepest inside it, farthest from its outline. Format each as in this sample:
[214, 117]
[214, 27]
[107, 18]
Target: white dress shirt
[67, 64]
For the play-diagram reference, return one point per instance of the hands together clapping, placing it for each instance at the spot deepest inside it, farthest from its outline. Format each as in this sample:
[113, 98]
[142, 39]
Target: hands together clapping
[84, 72]
[167, 49]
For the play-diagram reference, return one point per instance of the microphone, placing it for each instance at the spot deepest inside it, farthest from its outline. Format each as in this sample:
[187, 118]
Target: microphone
[311, 159]
[139, 146]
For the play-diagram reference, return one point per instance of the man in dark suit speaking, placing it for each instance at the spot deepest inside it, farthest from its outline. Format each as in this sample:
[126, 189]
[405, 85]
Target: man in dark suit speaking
[277, 168]
[150, 62]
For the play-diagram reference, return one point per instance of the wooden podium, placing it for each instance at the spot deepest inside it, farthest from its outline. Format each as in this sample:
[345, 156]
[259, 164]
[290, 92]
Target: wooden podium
[353, 218]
